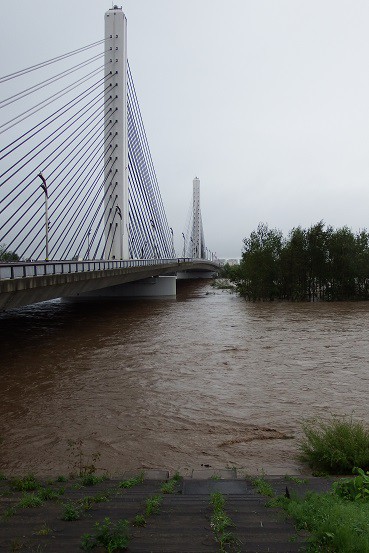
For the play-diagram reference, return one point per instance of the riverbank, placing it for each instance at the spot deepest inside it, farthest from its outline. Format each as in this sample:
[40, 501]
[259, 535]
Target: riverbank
[164, 515]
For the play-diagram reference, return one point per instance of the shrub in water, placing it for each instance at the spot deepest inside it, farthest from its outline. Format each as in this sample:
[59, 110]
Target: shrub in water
[335, 446]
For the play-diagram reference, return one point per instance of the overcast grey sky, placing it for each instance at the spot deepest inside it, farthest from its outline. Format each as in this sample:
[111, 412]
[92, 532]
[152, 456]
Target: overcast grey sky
[266, 101]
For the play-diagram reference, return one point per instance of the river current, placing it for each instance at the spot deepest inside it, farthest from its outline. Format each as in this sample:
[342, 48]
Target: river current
[206, 379]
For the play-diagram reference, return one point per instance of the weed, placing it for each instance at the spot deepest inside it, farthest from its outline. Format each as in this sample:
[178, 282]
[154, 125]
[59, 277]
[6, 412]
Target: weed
[61, 479]
[131, 482]
[295, 479]
[45, 530]
[26, 484]
[91, 479]
[81, 462]
[216, 477]
[9, 512]
[88, 542]
[87, 503]
[335, 446]
[30, 500]
[112, 536]
[220, 522]
[2, 476]
[46, 494]
[262, 486]
[71, 512]
[139, 521]
[101, 497]
[353, 488]
[153, 505]
[335, 524]
[170, 486]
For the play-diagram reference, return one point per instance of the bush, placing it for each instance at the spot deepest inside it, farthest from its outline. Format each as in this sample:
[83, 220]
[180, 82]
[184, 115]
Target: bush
[336, 446]
[336, 525]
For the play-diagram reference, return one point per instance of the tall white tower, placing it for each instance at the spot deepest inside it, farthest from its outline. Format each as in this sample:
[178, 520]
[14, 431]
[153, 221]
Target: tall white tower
[116, 158]
[196, 221]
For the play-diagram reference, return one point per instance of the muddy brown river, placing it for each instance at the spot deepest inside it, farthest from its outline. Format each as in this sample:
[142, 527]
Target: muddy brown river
[206, 379]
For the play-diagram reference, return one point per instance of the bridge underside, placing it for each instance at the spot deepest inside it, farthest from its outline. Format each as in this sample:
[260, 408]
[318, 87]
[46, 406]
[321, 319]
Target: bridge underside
[19, 292]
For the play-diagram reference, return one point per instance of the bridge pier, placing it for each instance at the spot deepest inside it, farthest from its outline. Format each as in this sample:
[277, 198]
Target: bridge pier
[153, 287]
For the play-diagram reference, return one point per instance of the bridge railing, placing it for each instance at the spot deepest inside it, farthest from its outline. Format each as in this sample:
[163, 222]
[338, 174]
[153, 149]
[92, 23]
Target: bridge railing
[33, 269]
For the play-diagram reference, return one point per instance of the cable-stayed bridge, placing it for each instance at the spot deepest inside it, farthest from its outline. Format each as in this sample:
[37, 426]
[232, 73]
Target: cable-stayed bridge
[79, 197]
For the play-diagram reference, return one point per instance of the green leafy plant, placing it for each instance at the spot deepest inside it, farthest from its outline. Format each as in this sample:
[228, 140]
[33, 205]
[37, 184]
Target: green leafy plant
[46, 494]
[170, 486]
[139, 521]
[335, 446]
[9, 512]
[353, 488]
[295, 479]
[91, 479]
[220, 522]
[131, 482]
[71, 512]
[29, 500]
[335, 525]
[45, 530]
[112, 536]
[26, 484]
[262, 486]
[153, 505]
[61, 479]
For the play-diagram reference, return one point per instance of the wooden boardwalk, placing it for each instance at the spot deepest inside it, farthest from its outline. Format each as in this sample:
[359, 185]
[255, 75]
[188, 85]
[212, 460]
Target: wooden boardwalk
[182, 523]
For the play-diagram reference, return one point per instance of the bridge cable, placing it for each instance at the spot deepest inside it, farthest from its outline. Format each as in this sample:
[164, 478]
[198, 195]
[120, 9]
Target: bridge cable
[73, 103]
[50, 161]
[67, 128]
[48, 62]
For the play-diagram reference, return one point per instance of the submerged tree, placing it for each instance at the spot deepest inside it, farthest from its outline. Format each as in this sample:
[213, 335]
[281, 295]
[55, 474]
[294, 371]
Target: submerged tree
[319, 263]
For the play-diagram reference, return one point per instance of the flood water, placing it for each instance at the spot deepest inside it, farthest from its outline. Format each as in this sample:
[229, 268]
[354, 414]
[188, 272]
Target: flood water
[206, 379]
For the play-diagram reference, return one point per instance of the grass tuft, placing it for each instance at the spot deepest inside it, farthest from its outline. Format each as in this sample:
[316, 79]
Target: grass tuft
[171, 486]
[335, 524]
[26, 484]
[139, 521]
[71, 512]
[153, 505]
[112, 536]
[220, 523]
[262, 486]
[335, 446]
[30, 500]
[131, 482]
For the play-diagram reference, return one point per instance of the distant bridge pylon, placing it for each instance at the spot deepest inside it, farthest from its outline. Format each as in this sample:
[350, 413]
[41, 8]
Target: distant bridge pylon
[194, 241]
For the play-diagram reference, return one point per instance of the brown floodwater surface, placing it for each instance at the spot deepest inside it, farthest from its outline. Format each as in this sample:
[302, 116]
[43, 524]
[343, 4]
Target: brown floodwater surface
[206, 379]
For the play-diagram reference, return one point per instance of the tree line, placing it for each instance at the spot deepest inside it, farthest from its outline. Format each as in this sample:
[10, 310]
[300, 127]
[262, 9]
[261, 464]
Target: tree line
[318, 263]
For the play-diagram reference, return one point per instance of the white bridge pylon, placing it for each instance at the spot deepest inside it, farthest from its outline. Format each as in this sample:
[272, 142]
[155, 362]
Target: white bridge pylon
[116, 157]
[197, 243]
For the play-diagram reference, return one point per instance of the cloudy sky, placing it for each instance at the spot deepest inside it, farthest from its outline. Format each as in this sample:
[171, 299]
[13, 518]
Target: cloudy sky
[266, 101]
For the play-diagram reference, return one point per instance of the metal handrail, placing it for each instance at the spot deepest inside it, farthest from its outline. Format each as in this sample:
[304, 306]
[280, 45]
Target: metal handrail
[16, 269]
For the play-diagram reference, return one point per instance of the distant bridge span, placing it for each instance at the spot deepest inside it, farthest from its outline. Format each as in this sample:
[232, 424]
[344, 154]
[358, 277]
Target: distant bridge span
[26, 283]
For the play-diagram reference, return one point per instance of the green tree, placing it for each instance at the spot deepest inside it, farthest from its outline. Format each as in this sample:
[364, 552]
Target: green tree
[259, 266]
[7, 255]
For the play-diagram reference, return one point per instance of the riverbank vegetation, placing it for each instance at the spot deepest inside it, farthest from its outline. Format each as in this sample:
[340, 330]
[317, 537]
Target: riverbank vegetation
[318, 263]
[335, 446]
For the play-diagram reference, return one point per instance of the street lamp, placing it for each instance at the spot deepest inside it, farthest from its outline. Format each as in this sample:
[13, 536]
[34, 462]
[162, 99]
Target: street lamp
[154, 236]
[184, 245]
[119, 211]
[88, 243]
[173, 251]
[44, 188]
